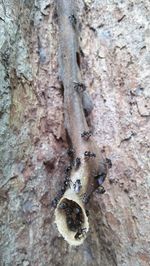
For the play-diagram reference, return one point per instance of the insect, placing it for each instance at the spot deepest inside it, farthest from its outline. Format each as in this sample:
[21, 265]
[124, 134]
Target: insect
[63, 189]
[101, 190]
[86, 154]
[67, 182]
[85, 198]
[73, 20]
[63, 205]
[77, 186]
[89, 154]
[79, 218]
[79, 86]
[78, 162]
[71, 224]
[100, 178]
[71, 152]
[87, 213]
[92, 154]
[69, 210]
[78, 223]
[76, 210]
[109, 163]
[80, 233]
[57, 198]
[68, 170]
[54, 202]
[86, 135]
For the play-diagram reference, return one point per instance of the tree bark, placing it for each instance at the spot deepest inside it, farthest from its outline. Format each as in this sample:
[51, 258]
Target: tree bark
[114, 39]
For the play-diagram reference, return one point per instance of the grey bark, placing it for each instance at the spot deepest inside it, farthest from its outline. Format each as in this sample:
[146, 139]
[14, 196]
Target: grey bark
[115, 40]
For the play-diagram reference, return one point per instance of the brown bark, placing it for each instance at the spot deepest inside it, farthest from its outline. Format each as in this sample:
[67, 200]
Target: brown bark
[114, 38]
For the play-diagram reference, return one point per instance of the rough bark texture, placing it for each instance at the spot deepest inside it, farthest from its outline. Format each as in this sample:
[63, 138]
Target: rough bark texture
[115, 42]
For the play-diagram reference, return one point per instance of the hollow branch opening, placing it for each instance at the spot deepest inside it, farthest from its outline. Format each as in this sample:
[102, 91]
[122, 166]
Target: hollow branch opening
[71, 218]
[91, 171]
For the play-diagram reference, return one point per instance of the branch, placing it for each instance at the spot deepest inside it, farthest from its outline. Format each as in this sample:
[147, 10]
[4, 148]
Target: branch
[89, 169]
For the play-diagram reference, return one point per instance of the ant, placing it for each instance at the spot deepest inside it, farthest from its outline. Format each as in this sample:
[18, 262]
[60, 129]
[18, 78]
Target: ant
[70, 152]
[78, 162]
[87, 213]
[89, 154]
[58, 197]
[77, 186]
[63, 205]
[67, 182]
[109, 163]
[100, 190]
[68, 169]
[86, 135]
[101, 178]
[63, 189]
[54, 202]
[69, 211]
[76, 210]
[85, 198]
[70, 224]
[79, 86]
[80, 233]
[73, 20]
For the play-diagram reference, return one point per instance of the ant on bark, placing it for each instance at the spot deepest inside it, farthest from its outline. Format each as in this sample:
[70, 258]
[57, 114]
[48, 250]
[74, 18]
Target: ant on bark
[86, 135]
[80, 233]
[79, 86]
[89, 154]
[73, 20]
[77, 186]
[77, 162]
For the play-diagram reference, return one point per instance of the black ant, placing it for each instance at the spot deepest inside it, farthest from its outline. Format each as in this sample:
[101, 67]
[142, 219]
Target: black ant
[78, 162]
[87, 213]
[86, 135]
[63, 189]
[71, 152]
[63, 205]
[101, 178]
[77, 186]
[109, 163]
[100, 190]
[65, 185]
[76, 210]
[80, 87]
[89, 154]
[58, 197]
[67, 182]
[70, 224]
[69, 211]
[86, 154]
[73, 20]
[54, 202]
[68, 170]
[85, 198]
[80, 233]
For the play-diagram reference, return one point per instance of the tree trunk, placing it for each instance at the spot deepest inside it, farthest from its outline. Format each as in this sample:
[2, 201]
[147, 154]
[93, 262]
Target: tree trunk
[114, 39]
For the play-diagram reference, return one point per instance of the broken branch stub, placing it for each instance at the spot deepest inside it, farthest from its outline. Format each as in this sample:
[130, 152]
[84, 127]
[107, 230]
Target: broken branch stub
[70, 214]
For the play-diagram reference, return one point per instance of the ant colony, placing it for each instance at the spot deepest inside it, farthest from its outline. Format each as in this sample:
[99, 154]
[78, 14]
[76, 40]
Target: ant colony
[74, 217]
